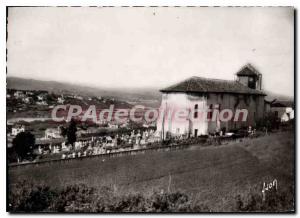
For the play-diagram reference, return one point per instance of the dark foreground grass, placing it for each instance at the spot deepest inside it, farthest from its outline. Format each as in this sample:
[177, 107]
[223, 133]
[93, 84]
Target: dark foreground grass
[224, 178]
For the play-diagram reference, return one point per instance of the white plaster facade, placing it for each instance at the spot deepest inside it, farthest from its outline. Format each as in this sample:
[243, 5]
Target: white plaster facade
[168, 125]
[283, 113]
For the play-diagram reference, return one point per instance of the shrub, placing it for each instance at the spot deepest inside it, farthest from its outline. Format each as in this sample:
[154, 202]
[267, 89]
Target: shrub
[24, 197]
[75, 198]
[127, 203]
[81, 198]
[28, 198]
[169, 202]
[269, 122]
[274, 202]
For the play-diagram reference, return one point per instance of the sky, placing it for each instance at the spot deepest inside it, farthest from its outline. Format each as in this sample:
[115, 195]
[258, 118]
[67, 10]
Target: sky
[149, 46]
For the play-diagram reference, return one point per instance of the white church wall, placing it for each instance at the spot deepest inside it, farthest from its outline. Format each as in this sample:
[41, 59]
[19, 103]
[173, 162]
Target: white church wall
[171, 104]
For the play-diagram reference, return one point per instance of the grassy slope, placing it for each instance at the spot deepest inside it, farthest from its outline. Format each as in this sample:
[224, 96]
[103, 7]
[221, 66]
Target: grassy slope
[212, 175]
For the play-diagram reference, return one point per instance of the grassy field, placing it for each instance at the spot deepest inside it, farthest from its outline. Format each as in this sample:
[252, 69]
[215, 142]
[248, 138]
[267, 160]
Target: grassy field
[212, 175]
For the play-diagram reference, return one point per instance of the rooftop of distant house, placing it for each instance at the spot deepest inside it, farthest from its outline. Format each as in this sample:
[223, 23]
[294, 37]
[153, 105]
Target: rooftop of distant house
[281, 103]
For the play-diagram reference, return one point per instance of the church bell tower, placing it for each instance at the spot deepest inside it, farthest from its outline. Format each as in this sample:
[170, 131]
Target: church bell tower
[250, 77]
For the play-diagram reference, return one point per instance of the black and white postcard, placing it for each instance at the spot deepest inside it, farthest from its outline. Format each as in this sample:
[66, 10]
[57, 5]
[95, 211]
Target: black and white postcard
[150, 109]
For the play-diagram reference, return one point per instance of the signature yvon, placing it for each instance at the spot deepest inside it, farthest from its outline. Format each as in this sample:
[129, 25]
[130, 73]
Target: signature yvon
[269, 186]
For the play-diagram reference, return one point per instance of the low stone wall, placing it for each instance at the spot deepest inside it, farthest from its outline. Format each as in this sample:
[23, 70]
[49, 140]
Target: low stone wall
[109, 155]
[171, 146]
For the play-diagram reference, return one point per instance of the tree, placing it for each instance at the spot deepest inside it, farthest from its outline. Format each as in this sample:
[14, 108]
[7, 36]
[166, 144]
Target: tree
[11, 155]
[23, 145]
[63, 131]
[71, 133]
[268, 122]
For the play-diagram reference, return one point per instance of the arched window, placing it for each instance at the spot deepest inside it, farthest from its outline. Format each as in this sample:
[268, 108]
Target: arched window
[196, 111]
[251, 83]
[209, 114]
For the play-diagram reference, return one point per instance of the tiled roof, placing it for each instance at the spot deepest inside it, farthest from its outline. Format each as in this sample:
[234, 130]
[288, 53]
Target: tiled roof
[282, 104]
[247, 70]
[205, 85]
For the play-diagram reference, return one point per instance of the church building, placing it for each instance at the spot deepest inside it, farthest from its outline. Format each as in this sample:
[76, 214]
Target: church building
[202, 94]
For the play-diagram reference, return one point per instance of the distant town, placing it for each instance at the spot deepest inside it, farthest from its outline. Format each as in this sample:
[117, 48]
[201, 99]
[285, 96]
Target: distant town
[33, 110]
[30, 111]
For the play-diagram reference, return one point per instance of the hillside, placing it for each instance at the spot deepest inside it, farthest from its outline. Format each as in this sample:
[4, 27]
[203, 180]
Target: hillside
[271, 96]
[147, 96]
[212, 175]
